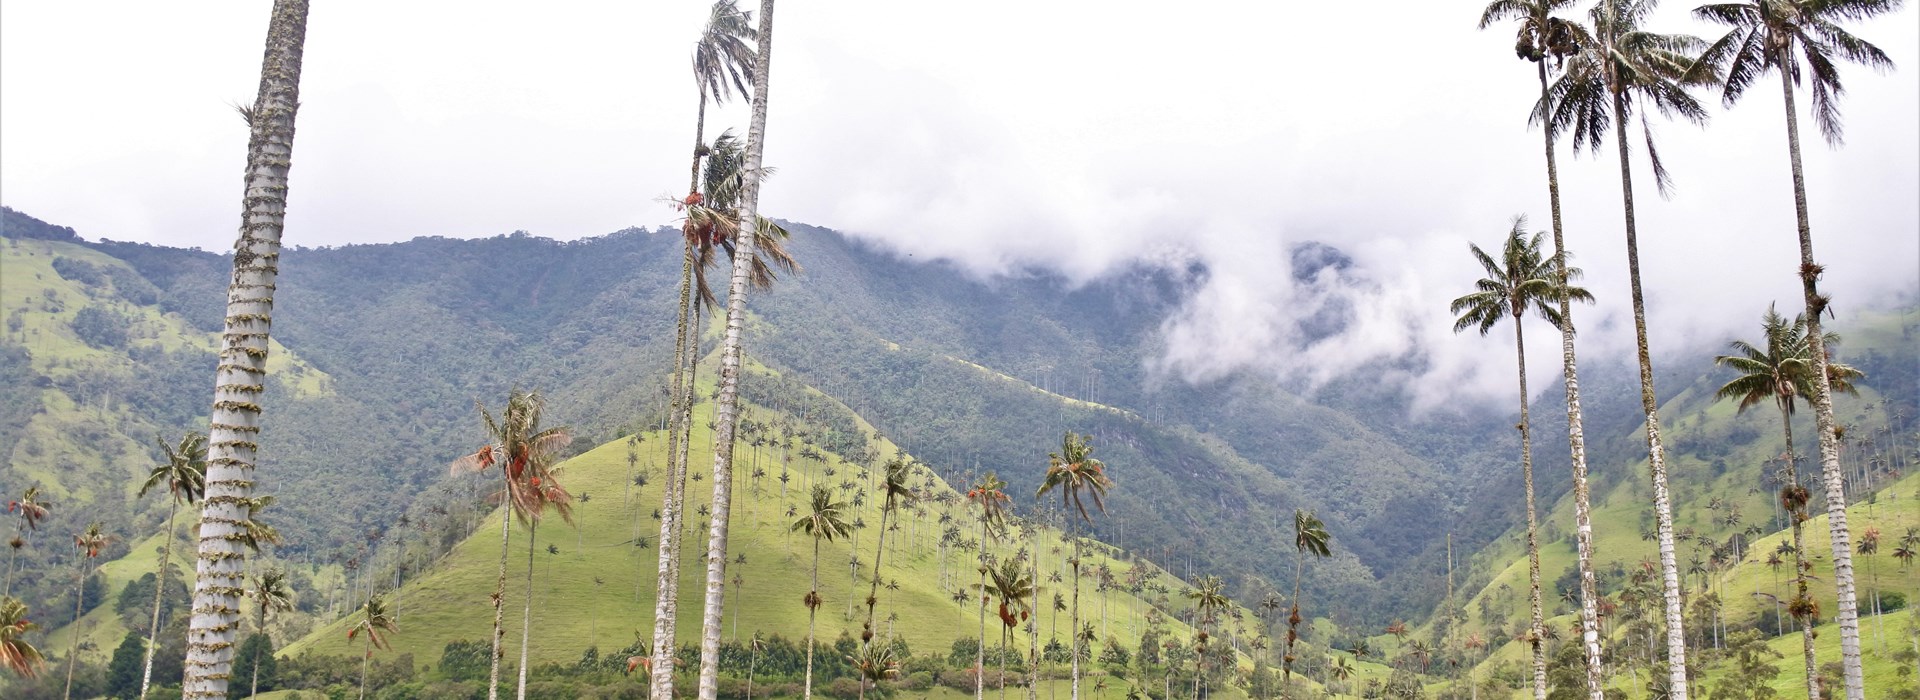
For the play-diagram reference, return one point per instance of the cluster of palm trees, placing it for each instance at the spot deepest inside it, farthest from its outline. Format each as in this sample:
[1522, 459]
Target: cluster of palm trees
[1596, 77]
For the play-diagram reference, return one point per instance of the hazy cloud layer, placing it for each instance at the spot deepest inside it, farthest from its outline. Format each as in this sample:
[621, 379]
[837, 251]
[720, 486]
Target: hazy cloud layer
[998, 134]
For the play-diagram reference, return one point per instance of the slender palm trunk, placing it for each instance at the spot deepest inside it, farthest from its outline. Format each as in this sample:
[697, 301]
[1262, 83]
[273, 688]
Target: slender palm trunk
[1677, 685]
[1847, 613]
[1799, 556]
[873, 593]
[672, 502]
[1073, 617]
[500, 592]
[812, 612]
[1293, 628]
[159, 585]
[680, 405]
[1663, 515]
[73, 649]
[1536, 633]
[980, 654]
[240, 378]
[526, 609]
[1576, 436]
[365, 660]
[1033, 638]
[726, 409]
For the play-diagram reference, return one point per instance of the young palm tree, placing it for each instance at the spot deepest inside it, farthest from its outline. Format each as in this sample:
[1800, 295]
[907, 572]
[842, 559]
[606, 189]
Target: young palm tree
[1309, 537]
[1519, 282]
[89, 543]
[721, 62]
[220, 569]
[895, 491]
[1079, 478]
[989, 494]
[185, 474]
[523, 450]
[825, 519]
[1799, 37]
[31, 509]
[374, 620]
[16, 653]
[873, 663]
[1621, 72]
[1781, 370]
[270, 592]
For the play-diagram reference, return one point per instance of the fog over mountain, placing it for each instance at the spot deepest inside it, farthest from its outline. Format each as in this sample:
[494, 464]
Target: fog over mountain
[1071, 141]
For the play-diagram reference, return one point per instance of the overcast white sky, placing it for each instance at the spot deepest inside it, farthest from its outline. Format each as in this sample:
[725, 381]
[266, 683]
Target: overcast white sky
[998, 133]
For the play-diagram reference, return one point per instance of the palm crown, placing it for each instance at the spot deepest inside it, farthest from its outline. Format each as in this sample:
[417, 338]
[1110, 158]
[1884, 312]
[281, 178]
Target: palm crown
[825, 518]
[1309, 534]
[1782, 370]
[184, 471]
[15, 652]
[989, 493]
[31, 507]
[271, 592]
[525, 453]
[1541, 35]
[723, 57]
[713, 220]
[1765, 35]
[1522, 279]
[1642, 69]
[375, 622]
[1077, 475]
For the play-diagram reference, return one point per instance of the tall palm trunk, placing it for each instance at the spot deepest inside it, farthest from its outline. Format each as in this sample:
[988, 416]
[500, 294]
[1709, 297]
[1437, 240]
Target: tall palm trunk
[73, 649]
[726, 413]
[526, 610]
[1536, 632]
[980, 654]
[1073, 616]
[1293, 626]
[673, 498]
[500, 591]
[365, 660]
[1033, 638]
[241, 376]
[813, 610]
[159, 585]
[1799, 555]
[873, 592]
[1835, 482]
[254, 688]
[1656, 464]
[1677, 685]
[1576, 431]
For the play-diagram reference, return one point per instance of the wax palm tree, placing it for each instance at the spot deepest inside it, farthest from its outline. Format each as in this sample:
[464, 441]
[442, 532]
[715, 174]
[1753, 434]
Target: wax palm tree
[270, 592]
[722, 64]
[1622, 72]
[1544, 36]
[523, 450]
[895, 491]
[31, 508]
[184, 472]
[1079, 478]
[825, 520]
[873, 663]
[1519, 282]
[1796, 38]
[16, 653]
[232, 442]
[543, 492]
[89, 543]
[1781, 370]
[1014, 587]
[1209, 599]
[1309, 537]
[375, 622]
[989, 494]
[726, 409]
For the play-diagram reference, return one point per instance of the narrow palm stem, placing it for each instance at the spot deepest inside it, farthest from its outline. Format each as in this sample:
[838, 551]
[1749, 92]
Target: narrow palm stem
[159, 585]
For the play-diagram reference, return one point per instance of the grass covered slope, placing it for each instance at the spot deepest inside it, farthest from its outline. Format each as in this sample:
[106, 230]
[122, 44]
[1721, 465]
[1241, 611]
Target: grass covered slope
[594, 583]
